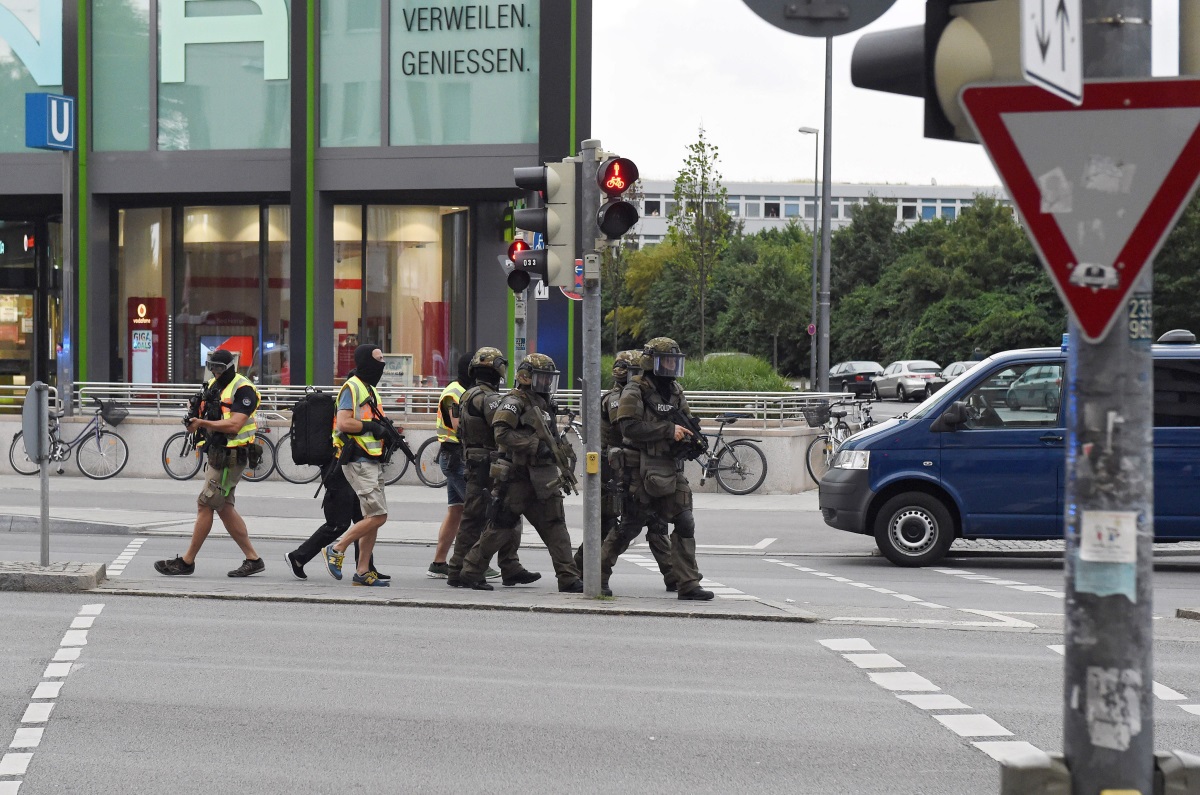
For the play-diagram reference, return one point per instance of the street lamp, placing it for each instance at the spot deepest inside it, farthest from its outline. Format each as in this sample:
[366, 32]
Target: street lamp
[812, 369]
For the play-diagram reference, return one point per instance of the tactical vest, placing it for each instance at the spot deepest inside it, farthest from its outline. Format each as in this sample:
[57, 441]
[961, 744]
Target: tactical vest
[246, 435]
[361, 392]
[641, 401]
[446, 433]
[477, 406]
[609, 403]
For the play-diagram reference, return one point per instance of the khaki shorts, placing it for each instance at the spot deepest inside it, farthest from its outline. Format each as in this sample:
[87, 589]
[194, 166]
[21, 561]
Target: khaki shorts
[366, 478]
[213, 495]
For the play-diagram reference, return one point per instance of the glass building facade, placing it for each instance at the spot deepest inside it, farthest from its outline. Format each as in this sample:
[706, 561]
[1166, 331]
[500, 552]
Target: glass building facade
[282, 179]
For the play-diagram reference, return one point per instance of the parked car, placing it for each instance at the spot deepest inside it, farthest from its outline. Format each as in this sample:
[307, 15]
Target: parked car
[1039, 387]
[855, 377]
[961, 465]
[955, 369]
[907, 379]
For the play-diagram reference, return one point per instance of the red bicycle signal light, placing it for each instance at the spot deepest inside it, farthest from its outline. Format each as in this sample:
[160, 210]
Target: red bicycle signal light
[515, 249]
[616, 175]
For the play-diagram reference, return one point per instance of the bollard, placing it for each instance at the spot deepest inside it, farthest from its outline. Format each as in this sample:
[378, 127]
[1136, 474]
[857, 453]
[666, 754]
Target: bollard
[1038, 773]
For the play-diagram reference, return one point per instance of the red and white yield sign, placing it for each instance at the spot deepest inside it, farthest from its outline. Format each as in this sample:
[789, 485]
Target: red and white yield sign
[1098, 186]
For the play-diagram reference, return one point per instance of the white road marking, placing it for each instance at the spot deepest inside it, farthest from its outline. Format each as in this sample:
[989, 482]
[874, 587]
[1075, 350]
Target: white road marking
[1004, 750]
[951, 571]
[117, 567]
[973, 726]
[766, 542]
[909, 685]
[1192, 708]
[1031, 588]
[1161, 691]
[1012, 584]
[874, 660]
[38, 710]
[47, 690]
[26, 738]
[848, 644]
[934, 701]
[37, 713]
[906, 597]
[907, 681]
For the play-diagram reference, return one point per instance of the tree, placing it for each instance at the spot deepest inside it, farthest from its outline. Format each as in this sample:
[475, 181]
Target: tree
[700, 223]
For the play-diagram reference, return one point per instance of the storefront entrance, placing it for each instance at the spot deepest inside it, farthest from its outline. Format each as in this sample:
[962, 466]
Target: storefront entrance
[30, 326]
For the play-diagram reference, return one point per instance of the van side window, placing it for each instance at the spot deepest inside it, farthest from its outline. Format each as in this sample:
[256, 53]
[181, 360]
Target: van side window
[1018, 396]
[1176, 393]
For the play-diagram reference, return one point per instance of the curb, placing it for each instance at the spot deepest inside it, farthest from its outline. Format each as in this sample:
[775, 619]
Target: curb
[1188, 612]
[787, 614]
[82, 577]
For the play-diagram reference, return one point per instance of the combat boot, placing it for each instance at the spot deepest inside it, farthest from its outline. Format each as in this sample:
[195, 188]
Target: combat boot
[697, 594]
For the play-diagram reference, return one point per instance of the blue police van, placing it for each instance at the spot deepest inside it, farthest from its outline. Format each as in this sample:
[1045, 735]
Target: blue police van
[985, 457]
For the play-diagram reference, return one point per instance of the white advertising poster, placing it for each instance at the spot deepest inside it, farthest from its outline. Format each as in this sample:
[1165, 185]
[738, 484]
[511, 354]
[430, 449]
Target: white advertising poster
[397, 370]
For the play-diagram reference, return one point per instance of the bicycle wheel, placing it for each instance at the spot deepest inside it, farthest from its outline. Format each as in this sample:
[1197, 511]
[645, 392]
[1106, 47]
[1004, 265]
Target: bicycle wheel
[428, 468]
[19, 459]
[820, 452]
[266, 466]
[290, 470]
[180, 465]
[741, 467]
[102, 455]
[395, 469]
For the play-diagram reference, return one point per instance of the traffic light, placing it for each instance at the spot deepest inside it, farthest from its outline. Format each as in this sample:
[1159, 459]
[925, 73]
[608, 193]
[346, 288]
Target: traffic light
[961, 42]
[556, 220]
[615, 176]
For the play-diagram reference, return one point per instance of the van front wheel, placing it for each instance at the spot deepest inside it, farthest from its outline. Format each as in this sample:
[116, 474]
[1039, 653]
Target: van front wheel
[914, 529]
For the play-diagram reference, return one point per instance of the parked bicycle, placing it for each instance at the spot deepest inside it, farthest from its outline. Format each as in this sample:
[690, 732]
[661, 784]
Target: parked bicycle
[99, 452]
[822, 449]
[740, 466]
[182, 460]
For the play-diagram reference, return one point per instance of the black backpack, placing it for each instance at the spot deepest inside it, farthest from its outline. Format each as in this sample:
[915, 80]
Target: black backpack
[312, 428]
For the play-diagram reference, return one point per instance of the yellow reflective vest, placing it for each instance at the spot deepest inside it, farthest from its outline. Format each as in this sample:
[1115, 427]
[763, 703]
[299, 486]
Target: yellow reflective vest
[246, 435]
[454, 392]
[361, 392]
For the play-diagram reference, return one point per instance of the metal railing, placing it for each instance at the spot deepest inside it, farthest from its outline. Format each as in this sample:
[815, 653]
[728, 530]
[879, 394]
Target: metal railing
[761, 409]
[12, 398]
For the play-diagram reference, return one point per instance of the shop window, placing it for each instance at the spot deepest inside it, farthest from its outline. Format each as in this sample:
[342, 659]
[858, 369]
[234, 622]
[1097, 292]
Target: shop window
[446, 91]
[351, 49]
[231, 95]
[121, 75]
[143, 286]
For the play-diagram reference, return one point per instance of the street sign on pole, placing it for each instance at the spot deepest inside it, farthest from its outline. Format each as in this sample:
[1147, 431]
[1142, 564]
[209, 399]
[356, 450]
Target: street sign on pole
[1052, 46]
[820, 18]
[1098, 186]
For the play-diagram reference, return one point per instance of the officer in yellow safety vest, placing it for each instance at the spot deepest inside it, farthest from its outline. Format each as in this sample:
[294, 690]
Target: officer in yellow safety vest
[231, 448]
[453, 465]
[361, 418]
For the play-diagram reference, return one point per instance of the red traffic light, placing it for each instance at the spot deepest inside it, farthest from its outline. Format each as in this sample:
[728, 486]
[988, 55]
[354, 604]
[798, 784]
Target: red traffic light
[616, 175]
[516, 248]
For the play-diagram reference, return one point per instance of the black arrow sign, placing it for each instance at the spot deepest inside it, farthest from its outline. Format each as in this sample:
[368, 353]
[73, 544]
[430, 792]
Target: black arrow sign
[1043, 36]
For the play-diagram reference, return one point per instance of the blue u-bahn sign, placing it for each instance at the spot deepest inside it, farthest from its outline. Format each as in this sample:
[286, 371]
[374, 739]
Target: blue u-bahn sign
[50, 121]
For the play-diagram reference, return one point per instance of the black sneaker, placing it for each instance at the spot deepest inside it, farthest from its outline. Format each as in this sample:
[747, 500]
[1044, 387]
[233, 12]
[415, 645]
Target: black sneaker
[482, 585]
[575, 587]
[697, 594]
[296, 566]
[249, 567]
[175, 566]
[524, 578]
[379, 575]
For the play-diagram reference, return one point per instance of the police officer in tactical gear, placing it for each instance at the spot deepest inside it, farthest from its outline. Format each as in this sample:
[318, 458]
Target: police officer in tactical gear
[616, 477]
[228, 444]
[473, 547]
[528, 480]
[644, 419]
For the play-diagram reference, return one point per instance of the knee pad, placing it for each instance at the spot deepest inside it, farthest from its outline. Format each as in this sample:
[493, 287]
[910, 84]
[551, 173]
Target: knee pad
[685, 524]
[657, 527]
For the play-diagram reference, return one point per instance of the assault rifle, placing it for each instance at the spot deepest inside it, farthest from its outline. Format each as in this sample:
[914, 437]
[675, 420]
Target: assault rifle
[204, 405]
[690, 447]
[566, 470]
[393, 439]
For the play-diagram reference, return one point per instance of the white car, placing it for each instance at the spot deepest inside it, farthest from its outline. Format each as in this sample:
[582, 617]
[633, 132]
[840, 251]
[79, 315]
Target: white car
[911, 378]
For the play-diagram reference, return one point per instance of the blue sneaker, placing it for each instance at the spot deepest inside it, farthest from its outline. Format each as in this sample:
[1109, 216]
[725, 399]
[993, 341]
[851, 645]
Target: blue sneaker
[333, 561]
[370, 579]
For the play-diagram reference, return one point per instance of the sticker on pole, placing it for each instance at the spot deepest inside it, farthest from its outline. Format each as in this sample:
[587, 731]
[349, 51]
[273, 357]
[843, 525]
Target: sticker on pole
[1098, 186]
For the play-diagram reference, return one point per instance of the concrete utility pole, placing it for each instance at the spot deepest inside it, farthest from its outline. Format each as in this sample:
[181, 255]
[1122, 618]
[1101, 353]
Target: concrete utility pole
[589, 152]
[1108, 729]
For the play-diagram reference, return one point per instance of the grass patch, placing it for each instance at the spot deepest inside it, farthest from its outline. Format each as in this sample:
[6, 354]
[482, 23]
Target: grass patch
[721, 374]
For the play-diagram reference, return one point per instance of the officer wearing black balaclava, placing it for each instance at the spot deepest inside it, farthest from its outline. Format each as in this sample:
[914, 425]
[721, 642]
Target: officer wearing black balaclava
[230, 448]
[361, 420]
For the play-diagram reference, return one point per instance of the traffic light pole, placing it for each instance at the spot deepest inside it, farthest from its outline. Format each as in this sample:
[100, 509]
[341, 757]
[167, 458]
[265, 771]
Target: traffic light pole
[589, 204]
[1108, 729]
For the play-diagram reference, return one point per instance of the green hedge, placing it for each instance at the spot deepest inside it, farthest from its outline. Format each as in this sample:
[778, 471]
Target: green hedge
[721, 374]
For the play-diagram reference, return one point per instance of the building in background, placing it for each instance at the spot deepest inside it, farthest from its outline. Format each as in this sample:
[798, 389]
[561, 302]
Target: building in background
[281, 178]
[766, 205]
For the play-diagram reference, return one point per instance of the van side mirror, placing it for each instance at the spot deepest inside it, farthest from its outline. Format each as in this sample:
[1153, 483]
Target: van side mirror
[954, 415]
